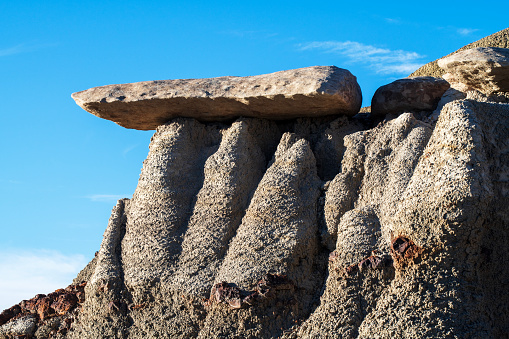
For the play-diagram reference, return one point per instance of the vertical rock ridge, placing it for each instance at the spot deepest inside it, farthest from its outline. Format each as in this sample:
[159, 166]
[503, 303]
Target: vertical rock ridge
[376, 167]
[162, 203]
[443, 210]
[108, 266]
[105, 290]
[231, 175]
[278, 235]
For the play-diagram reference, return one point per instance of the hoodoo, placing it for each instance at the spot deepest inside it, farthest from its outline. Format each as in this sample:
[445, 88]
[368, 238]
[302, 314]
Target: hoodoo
[266, 208]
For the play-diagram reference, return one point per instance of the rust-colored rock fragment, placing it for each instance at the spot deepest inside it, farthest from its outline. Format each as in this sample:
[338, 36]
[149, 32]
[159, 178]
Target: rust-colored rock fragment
[237, 298]
[64, 303]
[374, 261]
[135, 307]
[404, 250]
[9, 313]
[224, 291]
[60, 304]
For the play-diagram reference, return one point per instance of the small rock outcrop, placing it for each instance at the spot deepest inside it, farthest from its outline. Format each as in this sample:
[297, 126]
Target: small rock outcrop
[485, 69]
[498, 39]
[408, 95]
[44, 315]
[304, 92]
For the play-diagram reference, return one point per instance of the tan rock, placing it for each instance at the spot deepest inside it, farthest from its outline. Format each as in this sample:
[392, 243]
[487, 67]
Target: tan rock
[408, 95]
[498, 39]
[304, 92]
[483, 68]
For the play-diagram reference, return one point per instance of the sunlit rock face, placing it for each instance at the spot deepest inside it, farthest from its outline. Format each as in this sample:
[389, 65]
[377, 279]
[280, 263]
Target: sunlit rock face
[485, 69]
[335, 227]
[305, 92]
[238, 230]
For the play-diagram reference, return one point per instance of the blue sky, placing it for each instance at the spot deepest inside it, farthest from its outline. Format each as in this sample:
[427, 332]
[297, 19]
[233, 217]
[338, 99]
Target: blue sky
[63, 168]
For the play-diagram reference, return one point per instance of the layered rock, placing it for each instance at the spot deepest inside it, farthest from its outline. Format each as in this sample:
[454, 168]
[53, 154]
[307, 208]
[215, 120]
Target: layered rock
[485, 69]
[408, 95]
[305, 92]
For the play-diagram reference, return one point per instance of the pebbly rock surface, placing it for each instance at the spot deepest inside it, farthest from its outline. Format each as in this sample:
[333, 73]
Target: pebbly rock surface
[258, 235]
[485, 69]
[304, 92]
[408, 95]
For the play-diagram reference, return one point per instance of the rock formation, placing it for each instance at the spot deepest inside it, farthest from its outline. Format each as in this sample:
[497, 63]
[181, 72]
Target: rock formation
[304, 92]
[412, 94]
[485, 69]
[316, 227]
[499, 39]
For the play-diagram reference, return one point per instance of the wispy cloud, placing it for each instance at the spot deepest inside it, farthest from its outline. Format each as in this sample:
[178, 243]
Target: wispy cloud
[393, 21]
[128, 149]
[11, 50]
[23, 48]
[466, 31]
[382, 60]
[106, 197]
[23, 274]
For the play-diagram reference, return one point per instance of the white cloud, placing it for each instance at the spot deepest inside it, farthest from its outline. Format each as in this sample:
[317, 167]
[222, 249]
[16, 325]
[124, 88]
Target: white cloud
[106, 197]
[11, 50]
[128, 149]
[25, 273]
[22, 48]
[466, 31]
[382, 60]
[393, 21]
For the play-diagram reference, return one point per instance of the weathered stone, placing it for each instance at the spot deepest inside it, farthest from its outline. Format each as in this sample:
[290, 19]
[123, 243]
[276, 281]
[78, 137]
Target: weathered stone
[408, 95]
[485, 69]
[417, 214]
[304, 92]
[22, 327]
[498, 39]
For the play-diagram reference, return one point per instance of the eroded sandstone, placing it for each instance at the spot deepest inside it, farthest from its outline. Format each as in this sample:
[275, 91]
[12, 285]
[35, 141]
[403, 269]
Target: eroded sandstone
[485, 69]
[304, 92]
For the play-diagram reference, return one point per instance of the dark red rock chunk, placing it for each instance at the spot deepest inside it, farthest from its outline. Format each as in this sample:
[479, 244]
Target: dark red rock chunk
[230, 294]
[374, 261]
[404, 250]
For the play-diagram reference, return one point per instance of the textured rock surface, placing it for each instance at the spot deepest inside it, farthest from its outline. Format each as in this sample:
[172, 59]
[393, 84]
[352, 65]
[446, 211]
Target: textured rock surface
[406, 240]
[249, 236]
[304, 92]
[408, 95]
[485, 69]
[44, 315]
[310, 228]
[241, 208]
[499, 39]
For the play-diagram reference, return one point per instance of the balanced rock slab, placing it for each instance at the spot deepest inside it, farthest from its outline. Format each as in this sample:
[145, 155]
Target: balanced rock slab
[304, 92]
[485, 69]
[408, 95]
